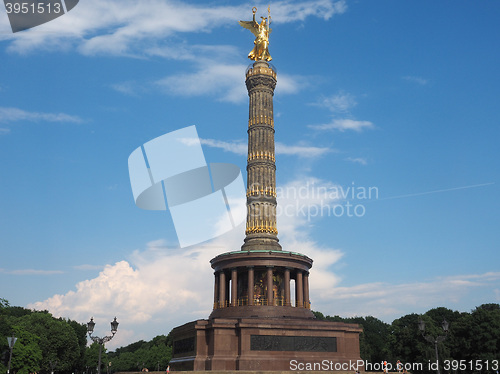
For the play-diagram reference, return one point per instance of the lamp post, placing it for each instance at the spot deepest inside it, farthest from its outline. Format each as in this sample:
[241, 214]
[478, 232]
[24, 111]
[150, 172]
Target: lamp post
[11, 342]
[52, 366]
[101, 341]
[435, 340]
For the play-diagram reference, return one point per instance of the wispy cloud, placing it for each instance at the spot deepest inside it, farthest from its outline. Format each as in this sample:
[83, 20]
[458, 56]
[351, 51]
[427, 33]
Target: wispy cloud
[339, 103]
[391, 300]
[129, 88]
[221, 81]
[127, 27]
[241, 148]
[344, 125]
[88, 267]
[418, 80]
[238, 148]
[302, 150]
[8, 115]
[31, 272]
[357, 160]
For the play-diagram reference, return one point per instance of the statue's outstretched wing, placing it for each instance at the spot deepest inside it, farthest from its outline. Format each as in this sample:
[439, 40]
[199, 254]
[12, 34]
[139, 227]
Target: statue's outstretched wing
[250, 25]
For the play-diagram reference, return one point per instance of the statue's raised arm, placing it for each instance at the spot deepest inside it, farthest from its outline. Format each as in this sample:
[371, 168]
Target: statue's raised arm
[261, 31]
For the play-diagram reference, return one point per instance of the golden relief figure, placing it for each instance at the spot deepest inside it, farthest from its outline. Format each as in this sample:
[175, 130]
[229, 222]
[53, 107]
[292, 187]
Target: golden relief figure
[261, 31]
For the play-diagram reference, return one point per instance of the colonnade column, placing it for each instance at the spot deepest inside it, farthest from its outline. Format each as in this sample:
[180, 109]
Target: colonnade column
[269, 282]
[287, 287]
[250, 285]
[306, 291]
[299, 289]
[216, 290]
[234, 287]
[222, 289]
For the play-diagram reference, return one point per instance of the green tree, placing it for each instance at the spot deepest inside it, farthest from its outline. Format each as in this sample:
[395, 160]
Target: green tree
[406, 343]
[125, 361]
[153, 354]
[92, 358]
[58, 340]
[485, 333]
[81, 335]
[26, 354]
[373, 341]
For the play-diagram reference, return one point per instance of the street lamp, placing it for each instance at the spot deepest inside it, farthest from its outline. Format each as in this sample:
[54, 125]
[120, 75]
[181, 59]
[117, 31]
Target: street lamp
[11, 342]
[435, 340]
[101, 341]
[52, 366]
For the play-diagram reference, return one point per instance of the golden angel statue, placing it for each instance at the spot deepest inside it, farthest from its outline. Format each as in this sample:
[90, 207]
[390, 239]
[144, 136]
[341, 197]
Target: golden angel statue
[261, 31]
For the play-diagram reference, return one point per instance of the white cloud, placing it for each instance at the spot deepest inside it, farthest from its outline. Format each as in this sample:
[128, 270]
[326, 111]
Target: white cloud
[418, 80]
[388, 301]
[31, 272]
[339, 103]
[357, 160]
[16, 114]
[88, 267]
[127, 88]
[344, 125]
[238, 148]
[241, 148]
[127, 27]
[301, 150]
[219, 80]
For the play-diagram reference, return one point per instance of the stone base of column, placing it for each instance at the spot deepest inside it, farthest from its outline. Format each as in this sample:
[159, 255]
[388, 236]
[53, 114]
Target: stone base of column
[261, 243]
[231, 344]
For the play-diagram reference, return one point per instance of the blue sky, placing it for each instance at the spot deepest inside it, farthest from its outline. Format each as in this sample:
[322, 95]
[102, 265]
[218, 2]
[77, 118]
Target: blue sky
[395, 95]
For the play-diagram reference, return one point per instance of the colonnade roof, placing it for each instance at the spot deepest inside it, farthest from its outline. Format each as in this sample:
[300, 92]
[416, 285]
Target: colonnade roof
[262, 251]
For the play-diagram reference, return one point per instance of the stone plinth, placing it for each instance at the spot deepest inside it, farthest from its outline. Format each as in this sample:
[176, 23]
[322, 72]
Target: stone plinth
[262, 343]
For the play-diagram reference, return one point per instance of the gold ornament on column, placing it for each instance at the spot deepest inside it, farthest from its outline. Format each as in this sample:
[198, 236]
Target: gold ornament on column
[261, 31]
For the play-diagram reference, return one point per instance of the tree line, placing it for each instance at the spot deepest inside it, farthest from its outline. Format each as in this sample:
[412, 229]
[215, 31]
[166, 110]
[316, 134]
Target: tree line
[472, 343]
[47, 344]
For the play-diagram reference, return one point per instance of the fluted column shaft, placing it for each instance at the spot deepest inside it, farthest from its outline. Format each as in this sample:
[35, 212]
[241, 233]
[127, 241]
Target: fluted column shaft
[261, 229]
[216, 289]
[250, 285]
[269, 282]
[299, 290]
[306, 291]
[287, 286]
[222, 289]
[234, 287]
